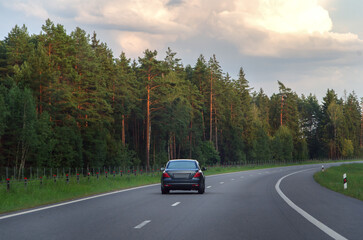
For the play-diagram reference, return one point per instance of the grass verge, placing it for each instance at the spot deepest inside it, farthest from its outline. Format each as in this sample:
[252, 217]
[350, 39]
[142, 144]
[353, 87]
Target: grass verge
[332, 178]
[21, 197]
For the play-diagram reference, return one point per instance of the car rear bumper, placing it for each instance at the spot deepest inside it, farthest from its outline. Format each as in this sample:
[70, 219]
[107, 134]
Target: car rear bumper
[190, 184]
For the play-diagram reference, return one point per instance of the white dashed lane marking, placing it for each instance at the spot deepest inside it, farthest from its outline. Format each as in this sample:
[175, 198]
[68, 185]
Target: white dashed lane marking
[209, 186]
[142, 224]
[175, 204]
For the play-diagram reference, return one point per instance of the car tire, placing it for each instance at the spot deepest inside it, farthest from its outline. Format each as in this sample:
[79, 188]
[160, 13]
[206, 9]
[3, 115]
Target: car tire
[164, 191]
[201, 189]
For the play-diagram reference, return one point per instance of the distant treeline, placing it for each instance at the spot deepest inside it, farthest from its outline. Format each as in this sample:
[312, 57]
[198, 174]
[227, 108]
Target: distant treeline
[66, 101]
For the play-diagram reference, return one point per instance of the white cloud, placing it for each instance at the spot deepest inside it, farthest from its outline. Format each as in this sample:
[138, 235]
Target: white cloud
[30, 8]
[135, 43]
[277, 28]
[280, 28]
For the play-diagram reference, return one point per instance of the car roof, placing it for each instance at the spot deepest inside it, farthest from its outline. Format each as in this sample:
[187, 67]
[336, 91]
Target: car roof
[183, 160]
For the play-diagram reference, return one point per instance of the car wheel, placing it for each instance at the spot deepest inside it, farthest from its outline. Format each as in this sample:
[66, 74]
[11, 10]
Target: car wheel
[201, 189]
[164, 191]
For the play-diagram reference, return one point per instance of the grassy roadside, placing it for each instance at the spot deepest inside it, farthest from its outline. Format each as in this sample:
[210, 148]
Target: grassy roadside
[21, 197]
[332, 178]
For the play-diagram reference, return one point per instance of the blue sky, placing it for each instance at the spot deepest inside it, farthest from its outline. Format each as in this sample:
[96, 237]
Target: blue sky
[309, 45]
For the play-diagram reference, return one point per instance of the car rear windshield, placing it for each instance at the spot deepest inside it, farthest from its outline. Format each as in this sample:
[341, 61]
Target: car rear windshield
[182, 165]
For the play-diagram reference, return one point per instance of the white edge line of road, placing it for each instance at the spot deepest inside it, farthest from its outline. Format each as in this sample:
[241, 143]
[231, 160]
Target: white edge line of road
[306, 215]
[74, 201]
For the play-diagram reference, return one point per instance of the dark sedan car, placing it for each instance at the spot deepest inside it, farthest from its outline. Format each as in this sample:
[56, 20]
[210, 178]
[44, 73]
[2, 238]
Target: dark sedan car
[182, 174]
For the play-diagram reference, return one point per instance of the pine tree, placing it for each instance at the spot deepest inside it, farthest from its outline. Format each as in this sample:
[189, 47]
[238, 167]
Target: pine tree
[325, 130]
[18, 48]
[215, 79]
[352, 121]
[335, 114]
[150, 72]
[310, 111]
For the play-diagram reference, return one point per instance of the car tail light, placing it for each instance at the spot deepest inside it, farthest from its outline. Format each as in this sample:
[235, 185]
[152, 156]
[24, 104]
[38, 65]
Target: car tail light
[197, 175]
[166, 175]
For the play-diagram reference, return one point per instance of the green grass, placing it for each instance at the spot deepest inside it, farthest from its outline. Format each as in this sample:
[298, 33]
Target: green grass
[21, 197]
[332, 178]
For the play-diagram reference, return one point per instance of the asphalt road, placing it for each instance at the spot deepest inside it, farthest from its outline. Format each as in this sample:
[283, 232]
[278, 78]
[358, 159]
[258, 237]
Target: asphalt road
[258, 204]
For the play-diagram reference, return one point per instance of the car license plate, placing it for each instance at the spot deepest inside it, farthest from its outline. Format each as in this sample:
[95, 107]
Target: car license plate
[181, 175]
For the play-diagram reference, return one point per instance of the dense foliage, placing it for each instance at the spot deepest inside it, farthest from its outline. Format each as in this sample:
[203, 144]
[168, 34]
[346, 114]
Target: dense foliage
[66, 101]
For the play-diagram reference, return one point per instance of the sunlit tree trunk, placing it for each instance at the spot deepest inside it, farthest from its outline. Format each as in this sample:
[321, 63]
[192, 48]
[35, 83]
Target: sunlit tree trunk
[211, 110]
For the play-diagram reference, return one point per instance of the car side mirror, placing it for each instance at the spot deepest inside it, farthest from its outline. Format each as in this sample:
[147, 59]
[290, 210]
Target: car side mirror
[204, 169]
[162, 169]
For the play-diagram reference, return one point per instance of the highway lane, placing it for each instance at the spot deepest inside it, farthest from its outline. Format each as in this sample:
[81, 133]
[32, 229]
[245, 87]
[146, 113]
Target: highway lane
[243, 205]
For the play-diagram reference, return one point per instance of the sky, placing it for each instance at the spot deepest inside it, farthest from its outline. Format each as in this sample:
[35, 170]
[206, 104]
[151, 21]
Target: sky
[309, 45]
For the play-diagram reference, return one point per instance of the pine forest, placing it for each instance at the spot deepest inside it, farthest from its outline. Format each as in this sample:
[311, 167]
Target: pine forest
[66, 101]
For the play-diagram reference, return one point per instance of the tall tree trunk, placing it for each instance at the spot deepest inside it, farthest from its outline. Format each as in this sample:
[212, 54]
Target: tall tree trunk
[123, 130]
[170, 147]
[216, 127]
[282, 105]
[361, 128]
[191, 139]
[40, 94]
[24, 145]
[211, 109]
[179, 148]
[203, 126]
[174, 145]
[154, 153]
[335, 142]
[148, 124]
[231, 113]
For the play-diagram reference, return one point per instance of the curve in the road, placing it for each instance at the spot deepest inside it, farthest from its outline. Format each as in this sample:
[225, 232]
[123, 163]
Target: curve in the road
[306, 215]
